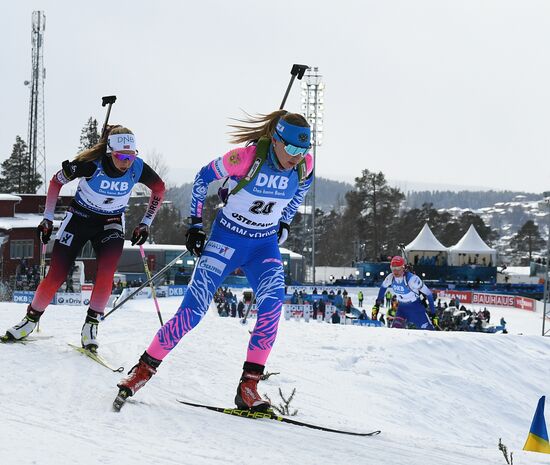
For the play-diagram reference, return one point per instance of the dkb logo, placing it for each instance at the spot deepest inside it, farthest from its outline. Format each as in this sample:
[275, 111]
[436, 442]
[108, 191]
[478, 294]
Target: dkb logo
[275, 182]
[114, 185]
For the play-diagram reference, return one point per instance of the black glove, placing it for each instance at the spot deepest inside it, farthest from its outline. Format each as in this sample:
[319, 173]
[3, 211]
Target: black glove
[44, 230]
[195, 240]
[140, 234]
[282, 234]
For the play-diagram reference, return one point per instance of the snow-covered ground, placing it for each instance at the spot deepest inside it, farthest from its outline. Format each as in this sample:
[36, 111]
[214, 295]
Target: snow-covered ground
[439, 398]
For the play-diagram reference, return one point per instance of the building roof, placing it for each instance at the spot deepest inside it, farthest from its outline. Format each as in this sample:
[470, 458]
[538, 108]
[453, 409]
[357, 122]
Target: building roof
[21, 220]
[426, 241]
[14, 198]
[471, 242]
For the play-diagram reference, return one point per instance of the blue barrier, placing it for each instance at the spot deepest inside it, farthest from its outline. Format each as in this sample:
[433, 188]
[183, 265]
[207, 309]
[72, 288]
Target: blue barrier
[373, 323]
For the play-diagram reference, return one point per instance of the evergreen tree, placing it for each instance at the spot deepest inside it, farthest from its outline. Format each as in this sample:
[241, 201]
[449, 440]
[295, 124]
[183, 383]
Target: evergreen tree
[89, 136]
[528, 239]
[372, 208]
[14, 172]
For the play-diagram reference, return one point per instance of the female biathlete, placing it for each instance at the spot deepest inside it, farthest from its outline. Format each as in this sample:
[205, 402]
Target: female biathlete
[108, 171]
[268, 179]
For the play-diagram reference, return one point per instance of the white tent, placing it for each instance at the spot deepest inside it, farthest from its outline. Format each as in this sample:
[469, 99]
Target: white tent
[472, 250]
[425, 249]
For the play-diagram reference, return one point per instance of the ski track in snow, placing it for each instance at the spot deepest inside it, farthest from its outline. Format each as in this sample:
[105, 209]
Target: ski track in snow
[439, 398]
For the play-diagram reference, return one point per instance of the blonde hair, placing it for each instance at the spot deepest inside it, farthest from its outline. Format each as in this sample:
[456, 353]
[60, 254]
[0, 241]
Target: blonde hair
[100, 148]
[254, 127]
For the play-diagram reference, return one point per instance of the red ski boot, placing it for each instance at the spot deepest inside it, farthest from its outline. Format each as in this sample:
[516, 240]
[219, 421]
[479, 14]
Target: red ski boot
[247, 397]
[139, 374]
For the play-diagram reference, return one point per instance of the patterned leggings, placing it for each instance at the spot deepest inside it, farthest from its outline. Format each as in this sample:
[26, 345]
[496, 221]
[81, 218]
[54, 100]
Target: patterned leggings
[225, 251]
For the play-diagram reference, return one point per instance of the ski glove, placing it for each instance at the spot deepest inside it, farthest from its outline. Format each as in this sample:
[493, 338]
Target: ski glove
[195, 240]
[140, 234]
[44, 230]
[282, 234]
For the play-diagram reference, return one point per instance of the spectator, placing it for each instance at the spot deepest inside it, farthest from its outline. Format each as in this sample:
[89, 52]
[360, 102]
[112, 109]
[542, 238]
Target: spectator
[363, 315]
[388, 298]
[360, 298]
[374, 311]
[335, 317]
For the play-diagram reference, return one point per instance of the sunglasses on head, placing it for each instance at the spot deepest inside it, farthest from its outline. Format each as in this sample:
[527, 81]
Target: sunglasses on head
[124, 156]
[292, 150]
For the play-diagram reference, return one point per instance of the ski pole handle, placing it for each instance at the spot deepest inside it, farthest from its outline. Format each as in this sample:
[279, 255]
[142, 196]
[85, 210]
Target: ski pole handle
[151, 284]
[107, 100]
[297, 71]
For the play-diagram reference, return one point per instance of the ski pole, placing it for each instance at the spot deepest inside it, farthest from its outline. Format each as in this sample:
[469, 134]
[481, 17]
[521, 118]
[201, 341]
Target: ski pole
[146, 283]
[107, 100]
[252, 302]
[297, 71]
[42, 273]
[151, 284]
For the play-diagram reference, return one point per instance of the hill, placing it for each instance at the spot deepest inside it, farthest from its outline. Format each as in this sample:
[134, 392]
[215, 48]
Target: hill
[439, 398]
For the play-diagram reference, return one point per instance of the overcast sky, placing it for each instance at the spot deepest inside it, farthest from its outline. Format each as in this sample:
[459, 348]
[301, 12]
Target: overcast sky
[426, 91]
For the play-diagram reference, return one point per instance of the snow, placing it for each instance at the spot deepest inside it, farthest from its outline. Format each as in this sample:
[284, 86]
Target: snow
[438, 397]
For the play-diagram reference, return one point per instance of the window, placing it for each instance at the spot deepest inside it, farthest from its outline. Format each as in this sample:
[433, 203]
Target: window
[87, 251]
[22, 248]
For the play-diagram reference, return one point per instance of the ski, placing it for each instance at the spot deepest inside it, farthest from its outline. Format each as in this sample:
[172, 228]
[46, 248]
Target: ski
[120, 400]
[5, 340]
[270, 415]
[96, 358]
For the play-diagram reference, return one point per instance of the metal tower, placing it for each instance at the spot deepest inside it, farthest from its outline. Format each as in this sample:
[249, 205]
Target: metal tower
[313, 108]
[36, 135]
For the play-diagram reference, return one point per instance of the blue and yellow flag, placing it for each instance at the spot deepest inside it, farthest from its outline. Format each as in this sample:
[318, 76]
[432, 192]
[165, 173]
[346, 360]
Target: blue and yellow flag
[537, 441]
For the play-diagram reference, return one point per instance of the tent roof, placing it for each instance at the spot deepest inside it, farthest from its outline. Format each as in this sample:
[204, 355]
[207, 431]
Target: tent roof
[472, 243]
[426, 241]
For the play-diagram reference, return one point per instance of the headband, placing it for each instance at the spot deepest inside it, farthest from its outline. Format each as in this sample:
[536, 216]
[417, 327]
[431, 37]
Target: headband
[300, 136]
[118, 142]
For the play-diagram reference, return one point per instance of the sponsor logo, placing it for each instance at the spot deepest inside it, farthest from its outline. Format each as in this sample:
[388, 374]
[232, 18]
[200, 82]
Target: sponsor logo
[66, 239]
[272, 181]
[119, 186]
[219, 249]
[211, 264]
[525, 304]
[493, 299]
[303, 137]
[125, 139]
[176, 290]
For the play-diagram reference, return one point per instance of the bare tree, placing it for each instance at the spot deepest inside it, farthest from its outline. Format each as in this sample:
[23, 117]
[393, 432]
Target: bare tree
[156, 161]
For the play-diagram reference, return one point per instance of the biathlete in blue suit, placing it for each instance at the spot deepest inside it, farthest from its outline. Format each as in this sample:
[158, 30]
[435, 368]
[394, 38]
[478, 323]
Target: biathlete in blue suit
[408, 288]
[267, 181]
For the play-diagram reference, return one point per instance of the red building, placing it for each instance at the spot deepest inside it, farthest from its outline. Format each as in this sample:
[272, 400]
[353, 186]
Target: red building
[20, 246]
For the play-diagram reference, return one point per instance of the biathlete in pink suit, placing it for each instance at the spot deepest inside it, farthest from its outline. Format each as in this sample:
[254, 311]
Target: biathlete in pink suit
[108, 172]
[246, 234]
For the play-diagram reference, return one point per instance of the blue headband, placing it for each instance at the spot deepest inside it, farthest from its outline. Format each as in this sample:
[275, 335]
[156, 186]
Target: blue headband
[299, 136]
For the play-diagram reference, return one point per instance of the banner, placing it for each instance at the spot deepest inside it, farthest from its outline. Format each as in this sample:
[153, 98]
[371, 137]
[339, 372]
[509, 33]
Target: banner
[465, 297]
[68, 298]
[23, 297]
[87, 293]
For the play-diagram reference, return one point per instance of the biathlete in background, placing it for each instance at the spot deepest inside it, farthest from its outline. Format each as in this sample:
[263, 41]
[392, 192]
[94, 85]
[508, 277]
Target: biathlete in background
[246, 234]
[108, 171]
[408, 289]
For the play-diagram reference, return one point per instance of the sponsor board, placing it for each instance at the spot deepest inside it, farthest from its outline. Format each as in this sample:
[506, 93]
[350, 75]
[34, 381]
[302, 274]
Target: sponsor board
[465, 297]
[493, 299]
[87, 293]
[68, 298]
[525, 303]
[176, 290]
[23, 297]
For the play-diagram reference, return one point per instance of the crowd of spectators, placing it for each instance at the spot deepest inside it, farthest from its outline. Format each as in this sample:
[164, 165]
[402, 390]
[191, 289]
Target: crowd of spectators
[456, 317]
[227, 303]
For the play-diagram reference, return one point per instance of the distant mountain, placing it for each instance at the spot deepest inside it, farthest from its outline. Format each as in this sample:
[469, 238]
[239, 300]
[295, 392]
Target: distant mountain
[328, 194]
